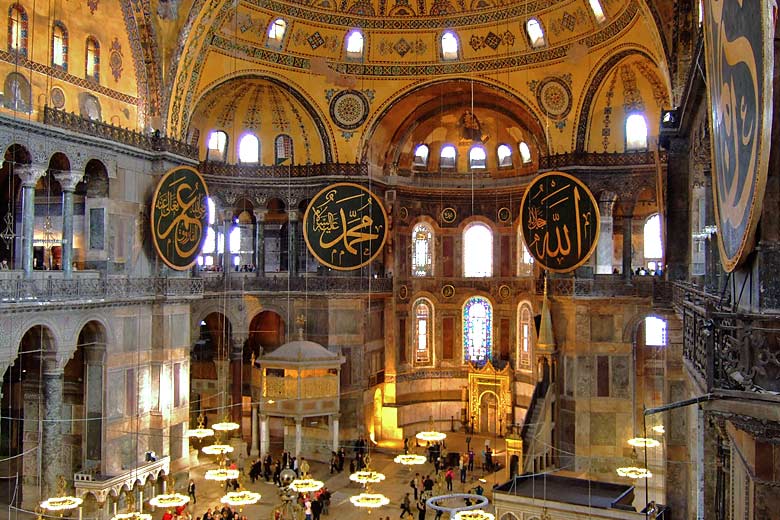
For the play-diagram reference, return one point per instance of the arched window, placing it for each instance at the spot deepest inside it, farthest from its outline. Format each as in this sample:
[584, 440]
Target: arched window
[525, 262]
[653, 246]
[477, 330]
[449, 46]
[422, 250]
[59, 46]
[477, 251]
[423, 336]
[283, 153]
[17, 29]
[636, 132]
[420, 156]
[504, 153]
[217, 146]
[525, 152]
[447, 157]
[355, 44]
[276, 32]
[655, 332]
[209, 248]
[92, 62]
[477, 158]
[249, 149]
[598, 12]
[701, 12]
[535, 33]
[524, 336]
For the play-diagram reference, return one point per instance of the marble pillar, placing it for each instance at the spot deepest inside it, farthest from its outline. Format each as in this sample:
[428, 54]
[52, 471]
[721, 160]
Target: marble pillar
[51, 434]
[236, 371]
[260, 243]
[265, 436]
[29, 174]
[253, 452]
[68, 181]
[298, 436]
[334, 430]
[604, 249]
[627, 226]
[293, 241]
[227, 226]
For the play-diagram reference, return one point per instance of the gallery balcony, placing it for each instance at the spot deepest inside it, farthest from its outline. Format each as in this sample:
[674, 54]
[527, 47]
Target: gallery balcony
[281, 282]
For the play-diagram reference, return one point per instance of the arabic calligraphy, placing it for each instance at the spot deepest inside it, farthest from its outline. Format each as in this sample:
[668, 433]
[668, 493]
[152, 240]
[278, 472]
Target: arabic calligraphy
[739, 58]
[345, 226]
[560, 221]
[179, 217]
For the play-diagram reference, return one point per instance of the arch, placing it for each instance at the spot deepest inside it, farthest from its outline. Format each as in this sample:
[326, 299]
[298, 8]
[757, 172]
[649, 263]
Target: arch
[92, 59]
[488, 411]
[526, 334]
[423, 250]
[423, 318]
[508, 516]
[95, 183]
[267, 332]
[449, 44]
[249, 149]
[354, 44]
[17, 29]
[59, 46]
[477, 250]
[284, 152]
[477, 317]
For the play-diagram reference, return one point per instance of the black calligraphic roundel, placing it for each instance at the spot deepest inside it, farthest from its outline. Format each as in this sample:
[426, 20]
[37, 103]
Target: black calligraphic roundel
[179, 217]
[559, 219]
[739, 54]
[345, 226]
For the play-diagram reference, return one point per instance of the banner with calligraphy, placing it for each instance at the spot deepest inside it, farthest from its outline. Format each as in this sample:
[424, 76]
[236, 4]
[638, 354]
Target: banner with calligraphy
[559, 219]
[179, 217]
[345, 226]
[740, 58]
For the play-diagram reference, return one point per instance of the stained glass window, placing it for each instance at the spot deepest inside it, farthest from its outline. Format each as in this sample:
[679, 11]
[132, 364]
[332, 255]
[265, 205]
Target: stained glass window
[422, 250]
[423, 315]
[524, 336]
[477, 330]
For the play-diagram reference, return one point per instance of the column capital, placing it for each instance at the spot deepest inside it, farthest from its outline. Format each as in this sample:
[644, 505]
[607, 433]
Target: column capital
[68, 179]
[293, 215]
[260, 215]
[30, 173]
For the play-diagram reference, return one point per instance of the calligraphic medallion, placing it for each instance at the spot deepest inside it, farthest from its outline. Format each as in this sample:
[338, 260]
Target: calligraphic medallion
[448, 215]
[559, 218]
[739, 56]
[179, 217]
[345, 226]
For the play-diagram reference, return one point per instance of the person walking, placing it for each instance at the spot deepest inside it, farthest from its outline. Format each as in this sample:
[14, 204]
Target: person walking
[316, 508]
[413, 484]
[421, 510]
[406, 506]
[448, 478]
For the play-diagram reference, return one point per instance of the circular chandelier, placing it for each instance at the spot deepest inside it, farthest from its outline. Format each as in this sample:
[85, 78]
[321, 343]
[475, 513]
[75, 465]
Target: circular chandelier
[367, 477]
[473, 514]
[409, 459]
[431, 436]
[240, 498]
[369, 500]
[221, 474]
[217, 449]
[643, 442]
[169, 500]
[634, 472]
[659, 428]
[306, 485]
[132, 516]
[200, 433]
[62, 503]
[225, 426]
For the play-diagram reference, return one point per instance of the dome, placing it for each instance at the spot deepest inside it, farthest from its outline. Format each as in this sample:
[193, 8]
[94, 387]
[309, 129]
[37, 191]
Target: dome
[302, 352]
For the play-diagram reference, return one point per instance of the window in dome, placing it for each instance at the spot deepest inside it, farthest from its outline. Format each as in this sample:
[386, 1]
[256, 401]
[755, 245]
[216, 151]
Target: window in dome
[477, 158]
[422, 250]
[477, 251]
[525, 262]
[535, 33]
[276, 32]
[525, 152]
[653, 247]
[504, 156]
[209, 248]
[701, 12]
[284, 150]
[92, 60]
[249, 149]
[17, 29]
[524, 335]
[420, 156]
[598, 12]
[477, 325]
[655, 332]
[449, 46]
[59, 46]
[217, 146]
[423, 318]
[447, 157]
[636, 132]
[355, 44]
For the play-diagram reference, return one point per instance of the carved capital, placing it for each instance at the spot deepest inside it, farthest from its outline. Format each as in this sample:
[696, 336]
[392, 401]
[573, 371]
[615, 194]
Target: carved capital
[260, 215]
[293, 215]
[69, 179]
[29, 174]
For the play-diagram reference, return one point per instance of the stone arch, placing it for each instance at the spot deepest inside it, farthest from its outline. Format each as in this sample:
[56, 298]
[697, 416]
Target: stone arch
[267, 332]
[95, 183]
[509, 516]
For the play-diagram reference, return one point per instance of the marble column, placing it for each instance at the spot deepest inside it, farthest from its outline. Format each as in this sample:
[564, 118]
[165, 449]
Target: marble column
[604, 249]
[51, 434]
[223, 369]
[627, 225]
[227, 225]
[334, 430]
[68, 181]
[260, 242]
[29, 174]
[253, 447]
[265, 436]
[236, 370]
[292, 256]
[298, 436]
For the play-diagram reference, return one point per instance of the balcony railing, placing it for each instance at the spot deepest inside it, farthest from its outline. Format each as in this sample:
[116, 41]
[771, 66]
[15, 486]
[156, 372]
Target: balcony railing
[728, 350]
[603, 160]
[316, 284]
[295, 170]
[113, 288]
[148, 142]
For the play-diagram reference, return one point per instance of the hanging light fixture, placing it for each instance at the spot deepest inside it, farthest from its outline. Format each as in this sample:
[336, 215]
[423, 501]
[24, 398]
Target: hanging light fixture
[634, 472]
[240, 498]
[367, 476]
[63, 501]
[306, 485]
[659, 429]
[201, 431]
[431, 435]
[217, 449]
[409, 459]
[473, 514]
[225, 426]
[132, 516]
[169, 500]
[643, 442]
[369, 500]
[222, 474]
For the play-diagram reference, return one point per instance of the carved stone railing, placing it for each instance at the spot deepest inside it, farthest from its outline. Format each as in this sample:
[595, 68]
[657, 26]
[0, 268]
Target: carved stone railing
[603, 160]
[295, 170]
[728, 350]
[82, 125]
[314, 284]
[101, 486]
[112, 288]
[606, 286]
